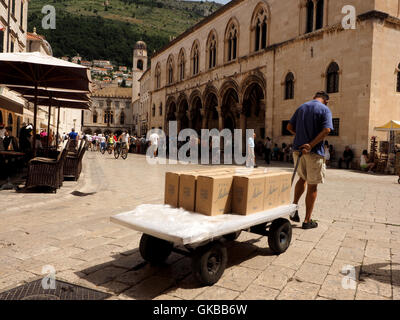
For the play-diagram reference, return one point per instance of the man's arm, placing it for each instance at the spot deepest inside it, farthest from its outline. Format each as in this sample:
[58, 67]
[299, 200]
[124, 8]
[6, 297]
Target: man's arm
[320, 137]
[291, 129]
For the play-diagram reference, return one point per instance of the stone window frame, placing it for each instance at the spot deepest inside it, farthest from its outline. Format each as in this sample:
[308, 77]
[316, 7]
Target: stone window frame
[312, 7]
[170, 69]
[258, 40]
[122, 118]
[95, 116]
[157, 76]
[232, 38]
[161, 109]
[181, 64]
[332, 75]
[212, 50]
[290, 79]
[195, 58]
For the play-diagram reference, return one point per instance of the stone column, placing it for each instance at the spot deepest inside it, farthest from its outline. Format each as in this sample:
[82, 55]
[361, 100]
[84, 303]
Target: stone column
[315, 15]
[204, 119]
[220, 118]
[178, 120]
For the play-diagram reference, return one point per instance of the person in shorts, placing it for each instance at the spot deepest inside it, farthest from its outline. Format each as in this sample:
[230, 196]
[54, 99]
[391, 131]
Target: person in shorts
[310, 124]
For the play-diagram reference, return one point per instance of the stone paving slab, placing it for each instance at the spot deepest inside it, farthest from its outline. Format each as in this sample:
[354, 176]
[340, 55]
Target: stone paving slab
[361, 232]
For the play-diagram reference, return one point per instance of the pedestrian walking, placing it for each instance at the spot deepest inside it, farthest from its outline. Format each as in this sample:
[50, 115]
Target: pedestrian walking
[310, 124]
[268, 150]
[251, 157]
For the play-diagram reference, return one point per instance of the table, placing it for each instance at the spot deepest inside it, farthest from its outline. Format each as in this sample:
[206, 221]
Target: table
[10, 154]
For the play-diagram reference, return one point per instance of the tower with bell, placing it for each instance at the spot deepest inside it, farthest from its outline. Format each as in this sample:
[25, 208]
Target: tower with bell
[140, 59]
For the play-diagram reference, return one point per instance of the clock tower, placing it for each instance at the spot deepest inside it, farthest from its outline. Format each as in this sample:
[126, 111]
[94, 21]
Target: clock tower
[139, 67]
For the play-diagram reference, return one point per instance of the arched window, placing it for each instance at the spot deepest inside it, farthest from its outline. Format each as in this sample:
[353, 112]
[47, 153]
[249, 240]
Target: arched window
[398, 78]
[260, 29]
[153, 111]
[232, 41]
[10, 120]
[160, 109]
[332, 78]
[158, 76]
[108, 117]
[170, 68]
[212, 50]
[1, 117]
[140, 64]
[195, 58]
[289, 86]
[95, 117]
[122, 118]
[181, 62]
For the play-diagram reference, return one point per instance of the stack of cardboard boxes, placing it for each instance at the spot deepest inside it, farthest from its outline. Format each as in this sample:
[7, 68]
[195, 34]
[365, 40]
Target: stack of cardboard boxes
[220, 191]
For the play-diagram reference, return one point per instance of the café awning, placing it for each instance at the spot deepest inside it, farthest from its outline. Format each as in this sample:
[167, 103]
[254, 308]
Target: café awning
[392, 125]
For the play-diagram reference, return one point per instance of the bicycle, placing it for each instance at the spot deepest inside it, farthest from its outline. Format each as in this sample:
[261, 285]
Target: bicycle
[109, 148]
[120, 150]
[103, 148]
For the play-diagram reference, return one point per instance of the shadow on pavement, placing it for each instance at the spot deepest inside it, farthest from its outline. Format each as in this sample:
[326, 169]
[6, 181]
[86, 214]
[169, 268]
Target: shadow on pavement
[130, 275]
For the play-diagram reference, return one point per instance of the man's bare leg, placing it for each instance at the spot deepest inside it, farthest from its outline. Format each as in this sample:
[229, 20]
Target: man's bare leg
[299, 190]
[312, 192]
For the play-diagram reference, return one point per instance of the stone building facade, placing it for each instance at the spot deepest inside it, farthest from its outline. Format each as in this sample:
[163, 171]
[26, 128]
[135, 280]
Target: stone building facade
[13, 37]
[253, 62]
[111, 111]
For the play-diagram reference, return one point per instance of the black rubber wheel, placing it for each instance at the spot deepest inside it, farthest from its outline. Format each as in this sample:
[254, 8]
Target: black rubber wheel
[109, 150]
[232, 236]
[398, 181]
[154, 250]
[280, 235]
[116, 153]
[209, 263]
[124, 153]
[103, 150]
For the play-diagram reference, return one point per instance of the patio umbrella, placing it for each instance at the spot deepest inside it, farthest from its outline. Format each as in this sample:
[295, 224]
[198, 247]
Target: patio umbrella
[54, 93]
[392, 125]
[37, 70]
[390, 128]
[60, 103]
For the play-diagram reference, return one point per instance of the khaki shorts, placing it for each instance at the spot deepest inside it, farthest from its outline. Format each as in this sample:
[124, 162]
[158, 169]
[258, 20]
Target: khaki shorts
[312, 168]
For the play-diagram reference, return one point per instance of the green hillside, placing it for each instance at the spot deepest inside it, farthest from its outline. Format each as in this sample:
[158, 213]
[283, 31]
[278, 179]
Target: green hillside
[108, 29]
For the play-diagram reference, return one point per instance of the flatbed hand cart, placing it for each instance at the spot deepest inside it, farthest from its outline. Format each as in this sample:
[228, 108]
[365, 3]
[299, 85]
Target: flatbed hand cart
[201, 237]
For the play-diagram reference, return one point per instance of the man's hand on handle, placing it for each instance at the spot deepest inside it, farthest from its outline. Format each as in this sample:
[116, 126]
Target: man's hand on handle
[305, 148]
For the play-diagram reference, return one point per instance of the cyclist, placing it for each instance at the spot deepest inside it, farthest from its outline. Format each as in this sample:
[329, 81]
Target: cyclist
[102, 142]
[123, 139]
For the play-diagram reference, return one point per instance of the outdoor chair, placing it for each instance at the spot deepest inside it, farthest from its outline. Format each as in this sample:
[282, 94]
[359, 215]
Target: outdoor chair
[74, 152]
[73, 164]
[46, 172]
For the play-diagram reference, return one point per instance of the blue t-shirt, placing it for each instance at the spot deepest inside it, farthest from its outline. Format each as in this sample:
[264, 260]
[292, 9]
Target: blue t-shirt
[72, 135]
[308, 121]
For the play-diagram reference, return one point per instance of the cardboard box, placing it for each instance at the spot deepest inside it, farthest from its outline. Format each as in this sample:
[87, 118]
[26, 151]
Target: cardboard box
[248, 194]
[214, 194]
[277, 189]
[187, 187]
[171, 194]
[286, 187]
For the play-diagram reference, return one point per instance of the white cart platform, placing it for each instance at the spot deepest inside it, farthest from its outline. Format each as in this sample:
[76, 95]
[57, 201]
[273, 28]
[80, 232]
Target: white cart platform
[186, 228]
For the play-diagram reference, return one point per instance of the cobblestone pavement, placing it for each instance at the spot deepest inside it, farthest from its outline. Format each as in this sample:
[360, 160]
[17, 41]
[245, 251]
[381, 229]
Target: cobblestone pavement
[359, 217]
